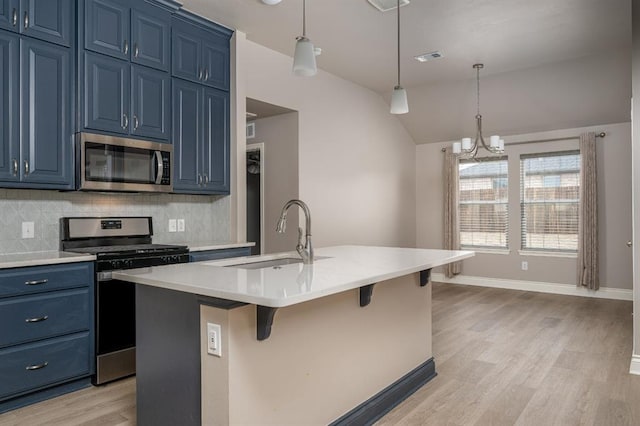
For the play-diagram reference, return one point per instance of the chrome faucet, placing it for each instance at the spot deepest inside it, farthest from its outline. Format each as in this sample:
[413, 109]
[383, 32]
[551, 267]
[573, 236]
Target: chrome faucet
[304, 250]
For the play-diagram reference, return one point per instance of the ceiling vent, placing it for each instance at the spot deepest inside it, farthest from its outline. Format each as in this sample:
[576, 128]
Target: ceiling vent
[429, 56]
[387, 5]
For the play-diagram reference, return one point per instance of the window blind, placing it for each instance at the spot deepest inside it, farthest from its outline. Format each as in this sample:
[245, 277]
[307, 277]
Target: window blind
[484, 214]
[549, 200]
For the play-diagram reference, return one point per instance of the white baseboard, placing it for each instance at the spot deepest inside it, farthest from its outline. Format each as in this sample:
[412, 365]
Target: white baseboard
[541, 287]
[635, 365]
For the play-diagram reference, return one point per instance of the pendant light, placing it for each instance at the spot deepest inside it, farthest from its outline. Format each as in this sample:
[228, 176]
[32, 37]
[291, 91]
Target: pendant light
[304, 57]
[399, 104]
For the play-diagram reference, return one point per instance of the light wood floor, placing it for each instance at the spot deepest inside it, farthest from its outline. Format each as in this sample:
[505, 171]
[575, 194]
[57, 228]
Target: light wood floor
[503, 357]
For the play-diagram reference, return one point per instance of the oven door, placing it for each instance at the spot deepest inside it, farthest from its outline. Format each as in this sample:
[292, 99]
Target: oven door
[109, 163]
[115, 328]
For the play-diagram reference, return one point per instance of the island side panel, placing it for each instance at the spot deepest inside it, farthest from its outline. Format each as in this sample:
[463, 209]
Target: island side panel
[323, 358]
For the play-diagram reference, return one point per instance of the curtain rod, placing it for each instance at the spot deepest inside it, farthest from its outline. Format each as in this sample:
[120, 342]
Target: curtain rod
[599, 135]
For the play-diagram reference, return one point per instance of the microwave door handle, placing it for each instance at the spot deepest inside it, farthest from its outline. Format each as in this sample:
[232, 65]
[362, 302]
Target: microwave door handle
[159, 168]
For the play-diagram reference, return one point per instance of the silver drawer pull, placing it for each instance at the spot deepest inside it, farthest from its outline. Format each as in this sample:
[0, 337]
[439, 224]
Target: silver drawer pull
[37, 367]
[40, 319]
[36, 282]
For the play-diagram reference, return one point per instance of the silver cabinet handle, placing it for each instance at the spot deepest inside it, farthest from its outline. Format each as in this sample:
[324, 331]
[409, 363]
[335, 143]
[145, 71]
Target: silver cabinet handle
[125, 121]
[26, 19]
[135, 122]
[199, 179]
[125, 48]
[36, 282]
[206, 74]
[14, 17]
[136, 51]
[37, 366]
[206, 178]
[200, 73]
[629, 243]
[39, 319]
[26, 167]
[15, 167]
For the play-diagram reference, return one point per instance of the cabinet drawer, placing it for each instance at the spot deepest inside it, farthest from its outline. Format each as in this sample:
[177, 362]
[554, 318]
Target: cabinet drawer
[35, 317]
[35, 365]
[37, 279]
[200, 256]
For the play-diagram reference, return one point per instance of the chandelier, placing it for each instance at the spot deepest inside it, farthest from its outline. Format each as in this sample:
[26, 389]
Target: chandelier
[465, 148]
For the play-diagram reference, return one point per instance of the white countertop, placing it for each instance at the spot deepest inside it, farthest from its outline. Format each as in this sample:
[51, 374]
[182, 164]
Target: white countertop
[346, 268]
[19, 260]
[214, 245]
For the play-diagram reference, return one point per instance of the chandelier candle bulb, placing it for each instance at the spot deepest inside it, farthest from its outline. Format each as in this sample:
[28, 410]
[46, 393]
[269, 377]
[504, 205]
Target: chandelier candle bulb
[456, 147]
[466, 144]
[495, 141]
[501, 145]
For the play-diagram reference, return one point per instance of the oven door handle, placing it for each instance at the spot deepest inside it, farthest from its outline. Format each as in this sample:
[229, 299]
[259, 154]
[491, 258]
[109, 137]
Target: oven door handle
[160, 167]
[104, 276]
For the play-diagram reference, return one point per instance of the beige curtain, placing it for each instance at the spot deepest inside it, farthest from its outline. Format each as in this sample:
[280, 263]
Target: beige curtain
[588, 274]
[451, 217]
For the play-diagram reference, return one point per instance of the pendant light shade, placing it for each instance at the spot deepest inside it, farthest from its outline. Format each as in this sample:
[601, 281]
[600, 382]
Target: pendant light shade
[399, 104]
[304, 58]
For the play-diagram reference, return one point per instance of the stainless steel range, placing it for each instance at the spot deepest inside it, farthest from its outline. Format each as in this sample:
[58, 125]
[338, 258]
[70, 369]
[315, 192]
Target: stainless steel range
[118, 243]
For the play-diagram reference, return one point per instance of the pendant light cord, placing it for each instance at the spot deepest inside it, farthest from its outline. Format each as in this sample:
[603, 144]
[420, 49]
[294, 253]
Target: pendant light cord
[398, 43]
[304, 18]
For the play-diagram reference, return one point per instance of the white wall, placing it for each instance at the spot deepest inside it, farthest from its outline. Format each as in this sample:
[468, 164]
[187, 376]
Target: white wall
[280, 172]
[614, 209]
[562, 95]
[635, 364]
[356, 161]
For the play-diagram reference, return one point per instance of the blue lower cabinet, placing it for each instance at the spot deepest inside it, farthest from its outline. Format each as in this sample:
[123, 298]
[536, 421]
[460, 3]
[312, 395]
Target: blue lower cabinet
[151, 109]
[35, 365]
[200, 256]
[46, 278]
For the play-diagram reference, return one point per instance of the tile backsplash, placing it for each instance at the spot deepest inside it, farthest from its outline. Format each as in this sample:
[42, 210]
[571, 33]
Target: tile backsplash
[206, 217]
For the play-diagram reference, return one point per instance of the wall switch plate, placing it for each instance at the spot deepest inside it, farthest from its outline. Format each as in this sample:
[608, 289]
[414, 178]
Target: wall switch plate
[180, 225]
[213, 339]
[525, 265]
[172, 225]
[28, 230]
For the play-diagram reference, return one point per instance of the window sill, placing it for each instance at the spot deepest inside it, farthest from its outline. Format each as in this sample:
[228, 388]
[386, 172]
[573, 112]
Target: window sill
[547, 254]
[488, 251]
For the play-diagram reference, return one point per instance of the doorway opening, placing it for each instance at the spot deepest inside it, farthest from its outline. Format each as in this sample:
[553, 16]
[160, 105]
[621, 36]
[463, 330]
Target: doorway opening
[255, 197]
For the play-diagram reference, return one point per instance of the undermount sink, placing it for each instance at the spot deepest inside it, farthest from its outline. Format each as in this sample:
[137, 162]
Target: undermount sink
[275, 263]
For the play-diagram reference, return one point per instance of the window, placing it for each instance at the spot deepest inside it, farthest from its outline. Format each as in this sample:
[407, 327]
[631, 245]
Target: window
[484, 215]
[549, 200]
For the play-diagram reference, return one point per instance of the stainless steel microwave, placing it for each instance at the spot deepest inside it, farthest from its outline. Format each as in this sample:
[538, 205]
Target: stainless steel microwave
[109, 163]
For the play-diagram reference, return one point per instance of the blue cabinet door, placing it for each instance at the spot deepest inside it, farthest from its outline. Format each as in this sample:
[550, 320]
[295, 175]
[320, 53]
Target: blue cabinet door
[215, 61]
[151, 103]
[216, 141]
[9, 107]
[48, 20]
[151, 38]
[106, 94]
[186, 130]
[46, 114]
[186, 52]
[107, 27]
[9, 12]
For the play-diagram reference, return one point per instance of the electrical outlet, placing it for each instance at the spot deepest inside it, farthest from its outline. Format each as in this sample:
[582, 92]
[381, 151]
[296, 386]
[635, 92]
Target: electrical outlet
[180, 225]
[214, 339]
[525, 265]
[28, 230]
[172, 225]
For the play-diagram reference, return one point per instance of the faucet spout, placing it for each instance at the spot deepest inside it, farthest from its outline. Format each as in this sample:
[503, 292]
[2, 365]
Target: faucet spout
[304, 246]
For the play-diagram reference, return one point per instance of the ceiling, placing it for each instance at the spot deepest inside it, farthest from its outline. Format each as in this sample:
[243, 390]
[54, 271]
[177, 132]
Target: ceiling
[263, 109]
[358, 42]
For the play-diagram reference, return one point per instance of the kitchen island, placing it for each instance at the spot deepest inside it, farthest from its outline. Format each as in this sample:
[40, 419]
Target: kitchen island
[341, 340]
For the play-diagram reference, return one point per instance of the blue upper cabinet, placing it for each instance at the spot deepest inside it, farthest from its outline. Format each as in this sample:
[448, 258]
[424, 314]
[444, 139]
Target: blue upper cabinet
[46, 114]
[141, 34]
[151, 103]
[9, 12]
[187, 131]
[107, 94]
[9, 104]
[201, 54]
[216, 141]
[107, 28]
[151, 37]
[49, 20]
